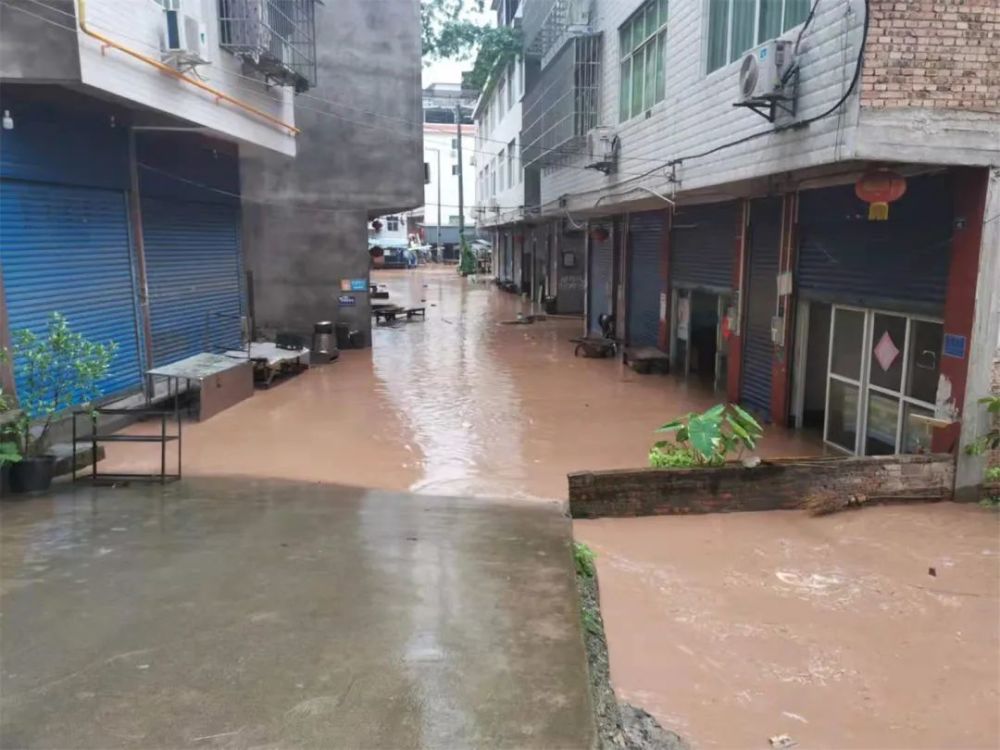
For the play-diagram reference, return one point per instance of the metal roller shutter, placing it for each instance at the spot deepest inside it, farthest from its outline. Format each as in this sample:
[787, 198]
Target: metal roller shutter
[599, 284]
[194, 270]
[645, 285]
[758, 351]
[901, 263]
[66, 249]
[702, 243]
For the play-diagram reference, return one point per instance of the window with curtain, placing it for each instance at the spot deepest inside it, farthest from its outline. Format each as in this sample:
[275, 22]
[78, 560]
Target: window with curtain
[500, 161]
[735, 26]
[642, 42]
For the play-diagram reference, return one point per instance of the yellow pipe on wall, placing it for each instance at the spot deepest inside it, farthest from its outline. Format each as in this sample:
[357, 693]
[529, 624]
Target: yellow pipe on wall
[220, 96]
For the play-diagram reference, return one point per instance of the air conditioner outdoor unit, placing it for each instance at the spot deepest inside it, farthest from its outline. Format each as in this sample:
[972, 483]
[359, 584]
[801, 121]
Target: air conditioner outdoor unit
[766, 71]
[602, 149]
[183, 39]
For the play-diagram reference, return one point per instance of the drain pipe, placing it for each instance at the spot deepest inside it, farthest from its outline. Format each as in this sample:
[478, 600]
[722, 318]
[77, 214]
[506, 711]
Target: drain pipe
[220, 96]
[139, 245]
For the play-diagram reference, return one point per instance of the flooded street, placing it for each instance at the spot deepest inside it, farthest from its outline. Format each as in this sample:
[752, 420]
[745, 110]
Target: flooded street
[730, 629]
[458, 404]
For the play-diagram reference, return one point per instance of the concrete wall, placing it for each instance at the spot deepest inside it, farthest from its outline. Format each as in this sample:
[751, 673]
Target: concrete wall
[138, 24]
[783, 484]
[359, 156]
[33, 47]
[55, 49]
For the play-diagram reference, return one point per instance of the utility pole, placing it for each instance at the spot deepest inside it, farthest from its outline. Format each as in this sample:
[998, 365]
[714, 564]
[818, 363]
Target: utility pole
[461, 168]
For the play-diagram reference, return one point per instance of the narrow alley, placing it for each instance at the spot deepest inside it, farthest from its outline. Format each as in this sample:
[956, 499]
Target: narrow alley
[728, 628]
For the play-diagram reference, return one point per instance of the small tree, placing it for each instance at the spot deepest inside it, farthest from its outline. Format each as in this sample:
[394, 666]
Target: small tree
[467, 259]
[9, 453]
[56, 370]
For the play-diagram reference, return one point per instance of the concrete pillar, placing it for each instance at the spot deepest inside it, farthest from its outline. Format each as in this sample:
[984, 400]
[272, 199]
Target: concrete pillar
[971, 313]
[781, 365]
[741, 273]
[663, 334]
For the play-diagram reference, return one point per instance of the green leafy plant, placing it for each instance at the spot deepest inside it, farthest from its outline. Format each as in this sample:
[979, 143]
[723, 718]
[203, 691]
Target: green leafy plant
[467, 261]
[9, 453]
[56, 370]
[670, 456]
[449, 31]
[583, 557]
[993, 474]
[991, 440]
[708, 438]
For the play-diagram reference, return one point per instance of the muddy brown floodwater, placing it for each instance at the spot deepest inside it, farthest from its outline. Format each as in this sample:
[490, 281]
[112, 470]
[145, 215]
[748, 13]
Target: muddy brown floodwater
[729, 629]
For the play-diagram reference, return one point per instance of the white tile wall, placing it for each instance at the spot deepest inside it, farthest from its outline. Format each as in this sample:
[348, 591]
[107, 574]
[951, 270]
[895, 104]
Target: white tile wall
[136, 24]
[488, 146]
[697, 113]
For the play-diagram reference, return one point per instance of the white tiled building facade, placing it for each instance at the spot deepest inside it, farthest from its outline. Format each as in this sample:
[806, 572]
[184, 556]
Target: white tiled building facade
[741, 241]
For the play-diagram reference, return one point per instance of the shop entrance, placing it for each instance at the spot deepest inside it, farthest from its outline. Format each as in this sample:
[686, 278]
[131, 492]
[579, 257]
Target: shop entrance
[698, 346]
[880, 378]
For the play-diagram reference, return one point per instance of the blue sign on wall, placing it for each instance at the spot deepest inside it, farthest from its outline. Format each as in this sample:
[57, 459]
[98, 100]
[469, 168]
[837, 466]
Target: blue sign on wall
[954, 346]
[359, 285]
[346, 300]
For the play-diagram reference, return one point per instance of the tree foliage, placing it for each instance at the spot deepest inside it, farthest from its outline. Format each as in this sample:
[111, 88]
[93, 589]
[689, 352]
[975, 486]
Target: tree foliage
[448, 33]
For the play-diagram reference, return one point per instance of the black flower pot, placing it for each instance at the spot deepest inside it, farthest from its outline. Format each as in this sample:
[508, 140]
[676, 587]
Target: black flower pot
[32, 474]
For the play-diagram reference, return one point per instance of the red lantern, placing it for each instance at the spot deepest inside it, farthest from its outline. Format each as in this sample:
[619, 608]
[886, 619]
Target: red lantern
[599, 234]
[879, 187]
[518, 238]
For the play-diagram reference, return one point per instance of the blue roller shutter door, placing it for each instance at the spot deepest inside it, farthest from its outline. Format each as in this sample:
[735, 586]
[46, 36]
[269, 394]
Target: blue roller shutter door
[645, 286]
[66, 249]
[758, 351]
[702, 246]
[194, 269]
[899, 264]
[599, 282]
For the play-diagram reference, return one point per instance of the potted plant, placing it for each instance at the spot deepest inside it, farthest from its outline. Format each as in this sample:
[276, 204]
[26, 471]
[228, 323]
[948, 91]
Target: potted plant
[56, 370]
[9, 453]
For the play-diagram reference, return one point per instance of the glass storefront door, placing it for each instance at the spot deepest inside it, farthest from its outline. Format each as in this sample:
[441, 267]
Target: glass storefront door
[881, 381]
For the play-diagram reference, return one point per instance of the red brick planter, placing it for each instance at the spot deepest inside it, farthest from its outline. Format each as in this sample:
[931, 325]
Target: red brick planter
[781, 484]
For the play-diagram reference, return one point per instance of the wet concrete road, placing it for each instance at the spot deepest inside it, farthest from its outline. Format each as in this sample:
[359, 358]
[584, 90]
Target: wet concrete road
[703, 631]
[272, 614]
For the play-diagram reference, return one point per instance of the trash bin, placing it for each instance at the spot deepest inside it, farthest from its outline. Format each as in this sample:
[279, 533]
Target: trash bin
[323, 349]
[343, 335]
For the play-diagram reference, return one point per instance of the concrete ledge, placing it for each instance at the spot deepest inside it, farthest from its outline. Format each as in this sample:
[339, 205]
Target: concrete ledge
[780, 484]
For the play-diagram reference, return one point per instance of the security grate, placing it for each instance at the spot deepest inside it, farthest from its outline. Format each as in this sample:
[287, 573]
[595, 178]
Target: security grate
[277, 37]
[564, 104]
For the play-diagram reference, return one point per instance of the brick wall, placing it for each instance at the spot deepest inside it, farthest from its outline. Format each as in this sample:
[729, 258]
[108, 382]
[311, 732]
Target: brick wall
[784, 484]
[933, 53]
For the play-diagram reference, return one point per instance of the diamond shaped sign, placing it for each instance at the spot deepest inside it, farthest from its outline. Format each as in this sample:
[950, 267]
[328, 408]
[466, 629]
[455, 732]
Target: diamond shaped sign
[885, 351]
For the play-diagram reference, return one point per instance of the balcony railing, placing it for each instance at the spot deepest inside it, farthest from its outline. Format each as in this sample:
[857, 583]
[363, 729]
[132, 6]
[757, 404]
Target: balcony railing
[548, 22]
[277, 37]
[564, 104]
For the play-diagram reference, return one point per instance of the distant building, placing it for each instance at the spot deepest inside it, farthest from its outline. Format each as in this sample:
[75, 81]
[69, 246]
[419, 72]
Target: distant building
[437, 222]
